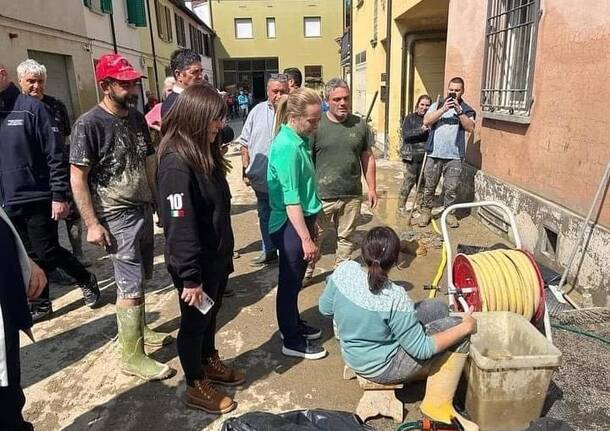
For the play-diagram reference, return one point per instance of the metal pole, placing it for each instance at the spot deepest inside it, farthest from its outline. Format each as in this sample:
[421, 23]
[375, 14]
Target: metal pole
[585, 225]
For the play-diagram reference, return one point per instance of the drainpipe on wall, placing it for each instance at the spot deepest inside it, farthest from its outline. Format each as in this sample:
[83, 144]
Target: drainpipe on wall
[113, 33]
[154, 53]
[388, 68]
[215, 65]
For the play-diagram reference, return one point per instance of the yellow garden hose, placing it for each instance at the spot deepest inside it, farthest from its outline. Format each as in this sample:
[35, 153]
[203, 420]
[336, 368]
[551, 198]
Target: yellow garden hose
[507, 281]
[441, 267]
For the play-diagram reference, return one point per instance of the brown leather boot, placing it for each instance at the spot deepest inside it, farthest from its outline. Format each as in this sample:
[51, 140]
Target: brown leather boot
[204, 396]
[218, 372]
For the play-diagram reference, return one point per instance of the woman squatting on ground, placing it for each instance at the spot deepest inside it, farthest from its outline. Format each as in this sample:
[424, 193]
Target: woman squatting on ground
[195, 208]
[386, 338]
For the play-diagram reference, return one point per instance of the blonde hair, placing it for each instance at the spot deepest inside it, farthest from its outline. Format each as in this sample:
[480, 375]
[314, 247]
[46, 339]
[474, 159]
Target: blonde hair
[295, 104]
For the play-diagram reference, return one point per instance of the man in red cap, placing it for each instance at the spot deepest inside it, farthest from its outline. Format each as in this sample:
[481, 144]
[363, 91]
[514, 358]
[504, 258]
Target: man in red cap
[113, 177]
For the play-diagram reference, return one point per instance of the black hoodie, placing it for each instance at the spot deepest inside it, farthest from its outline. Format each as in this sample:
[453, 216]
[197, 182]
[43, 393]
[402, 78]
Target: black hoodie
[33, 166]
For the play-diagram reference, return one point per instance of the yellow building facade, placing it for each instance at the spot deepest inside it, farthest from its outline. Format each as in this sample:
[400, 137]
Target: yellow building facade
[398, 52]
[258, 37]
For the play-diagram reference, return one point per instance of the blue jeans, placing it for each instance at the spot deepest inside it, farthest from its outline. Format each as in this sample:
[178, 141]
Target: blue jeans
[434, 316]
[264, 212]
[290, 280]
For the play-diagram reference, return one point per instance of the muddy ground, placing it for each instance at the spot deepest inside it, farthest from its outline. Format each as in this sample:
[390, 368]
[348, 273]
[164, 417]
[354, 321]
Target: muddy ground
[71, 376]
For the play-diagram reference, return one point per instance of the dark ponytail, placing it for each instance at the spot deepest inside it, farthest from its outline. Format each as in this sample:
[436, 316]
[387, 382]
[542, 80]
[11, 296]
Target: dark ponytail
[380, 250]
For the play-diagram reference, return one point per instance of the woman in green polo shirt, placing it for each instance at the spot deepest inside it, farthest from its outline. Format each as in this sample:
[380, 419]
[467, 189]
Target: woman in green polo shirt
[294, 206]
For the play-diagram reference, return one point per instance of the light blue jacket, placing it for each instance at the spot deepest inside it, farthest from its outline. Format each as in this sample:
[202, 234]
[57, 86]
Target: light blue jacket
[371, 326]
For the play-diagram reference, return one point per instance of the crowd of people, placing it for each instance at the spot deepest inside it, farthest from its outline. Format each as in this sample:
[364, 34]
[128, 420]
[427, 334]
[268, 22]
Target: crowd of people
[305, 167]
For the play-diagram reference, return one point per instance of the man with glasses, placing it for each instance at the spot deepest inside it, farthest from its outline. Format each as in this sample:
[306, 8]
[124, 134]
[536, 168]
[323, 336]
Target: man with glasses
[255, 140]
[113, 182]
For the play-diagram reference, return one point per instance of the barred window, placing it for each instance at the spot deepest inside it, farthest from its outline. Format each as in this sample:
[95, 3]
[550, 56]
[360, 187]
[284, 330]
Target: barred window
[510, 50]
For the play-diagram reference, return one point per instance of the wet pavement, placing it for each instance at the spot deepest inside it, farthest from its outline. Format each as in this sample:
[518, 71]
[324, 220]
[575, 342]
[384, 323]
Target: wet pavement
[71, 376]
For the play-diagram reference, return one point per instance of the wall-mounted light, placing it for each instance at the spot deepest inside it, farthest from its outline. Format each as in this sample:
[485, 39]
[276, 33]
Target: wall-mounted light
[13, 35]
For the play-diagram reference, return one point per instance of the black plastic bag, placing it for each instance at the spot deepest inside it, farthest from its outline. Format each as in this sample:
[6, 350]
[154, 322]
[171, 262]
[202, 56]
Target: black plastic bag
[548, 424]
[297, 420]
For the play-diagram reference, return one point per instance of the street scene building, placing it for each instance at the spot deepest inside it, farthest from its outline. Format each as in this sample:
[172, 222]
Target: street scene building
[70, 38]
[416, 238]
[258, 38]
[545, 173]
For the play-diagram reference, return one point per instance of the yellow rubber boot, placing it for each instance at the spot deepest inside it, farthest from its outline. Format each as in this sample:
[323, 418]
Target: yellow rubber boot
[440, 388]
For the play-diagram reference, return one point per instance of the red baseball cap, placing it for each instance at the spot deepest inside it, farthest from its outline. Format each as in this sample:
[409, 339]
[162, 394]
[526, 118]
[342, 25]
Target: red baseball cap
[117, 67]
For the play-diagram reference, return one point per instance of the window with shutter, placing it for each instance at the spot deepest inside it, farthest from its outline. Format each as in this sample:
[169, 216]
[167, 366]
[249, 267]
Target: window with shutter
[106, 6]
[168, 21]
[136, 13]
[243, 28]
[160, 19]
[206, 45]
[312, 26]
[180, 34]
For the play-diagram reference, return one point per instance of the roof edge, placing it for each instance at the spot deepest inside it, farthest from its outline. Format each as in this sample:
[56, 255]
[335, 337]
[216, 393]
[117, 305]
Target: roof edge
[180, 5]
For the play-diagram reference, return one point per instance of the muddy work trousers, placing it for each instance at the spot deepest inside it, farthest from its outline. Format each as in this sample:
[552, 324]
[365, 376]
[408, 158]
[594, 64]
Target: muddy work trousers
[451, 171]
[410, 178]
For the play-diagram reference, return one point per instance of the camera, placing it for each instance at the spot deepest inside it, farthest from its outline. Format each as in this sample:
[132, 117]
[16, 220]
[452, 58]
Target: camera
[452, 95]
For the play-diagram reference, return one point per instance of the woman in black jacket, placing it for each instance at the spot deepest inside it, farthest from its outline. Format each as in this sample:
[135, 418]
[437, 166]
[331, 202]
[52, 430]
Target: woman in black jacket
[414, 137]
[195, 208]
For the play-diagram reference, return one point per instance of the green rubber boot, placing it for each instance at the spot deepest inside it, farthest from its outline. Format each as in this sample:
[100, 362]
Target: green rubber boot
[153, 338]
[131, 337]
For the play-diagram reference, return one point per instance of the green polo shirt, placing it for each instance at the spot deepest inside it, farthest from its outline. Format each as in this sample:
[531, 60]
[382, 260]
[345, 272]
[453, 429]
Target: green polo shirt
[291, 177]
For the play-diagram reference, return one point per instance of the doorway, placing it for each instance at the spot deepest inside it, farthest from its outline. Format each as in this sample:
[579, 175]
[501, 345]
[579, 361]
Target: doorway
[59, 77]
[258, 86]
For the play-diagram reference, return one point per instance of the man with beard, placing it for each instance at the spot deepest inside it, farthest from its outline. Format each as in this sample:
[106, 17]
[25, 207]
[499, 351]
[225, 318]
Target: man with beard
[33, 188]
[113, 178]
[341, 150]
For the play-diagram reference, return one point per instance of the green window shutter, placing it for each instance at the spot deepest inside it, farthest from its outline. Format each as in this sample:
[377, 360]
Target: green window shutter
[106, 6]
[136, 13]
[87, 3]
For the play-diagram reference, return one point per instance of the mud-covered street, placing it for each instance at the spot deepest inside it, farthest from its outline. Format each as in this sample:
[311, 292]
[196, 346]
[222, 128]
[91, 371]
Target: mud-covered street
[72, 379]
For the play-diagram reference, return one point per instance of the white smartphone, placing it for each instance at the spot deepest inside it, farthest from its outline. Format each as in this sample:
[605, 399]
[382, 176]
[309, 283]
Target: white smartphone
[205, 305]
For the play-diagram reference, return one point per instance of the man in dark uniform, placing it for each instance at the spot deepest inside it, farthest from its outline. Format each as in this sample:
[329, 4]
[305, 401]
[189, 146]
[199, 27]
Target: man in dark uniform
[33, 187]
[33, 82]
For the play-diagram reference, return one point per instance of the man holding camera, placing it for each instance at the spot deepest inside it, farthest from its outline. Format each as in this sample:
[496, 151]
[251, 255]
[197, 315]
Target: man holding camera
[449, 121]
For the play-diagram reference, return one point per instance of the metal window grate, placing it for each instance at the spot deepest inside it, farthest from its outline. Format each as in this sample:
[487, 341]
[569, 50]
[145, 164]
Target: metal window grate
[510, 49]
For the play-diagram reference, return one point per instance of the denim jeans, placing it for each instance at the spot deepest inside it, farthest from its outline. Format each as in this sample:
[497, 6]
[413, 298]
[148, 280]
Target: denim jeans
[434, 316]
[264, 212]
[292, 268]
